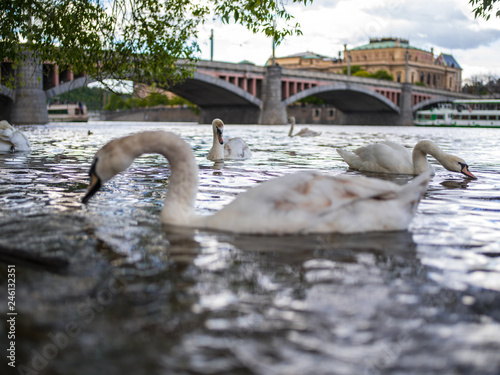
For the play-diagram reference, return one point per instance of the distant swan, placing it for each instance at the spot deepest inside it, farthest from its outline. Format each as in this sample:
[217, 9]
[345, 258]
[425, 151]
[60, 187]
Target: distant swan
[235, 148]
[12, 140]
[304, 132]
[305, 202]
[391, 157]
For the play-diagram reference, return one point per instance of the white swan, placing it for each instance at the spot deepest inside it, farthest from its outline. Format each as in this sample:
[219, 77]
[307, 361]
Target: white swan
[235, 148]
[306, 202]
[12, 140]
[304, 132]
[391, 157]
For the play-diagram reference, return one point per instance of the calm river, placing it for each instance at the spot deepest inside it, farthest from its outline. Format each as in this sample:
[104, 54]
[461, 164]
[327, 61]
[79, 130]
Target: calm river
[104, 289]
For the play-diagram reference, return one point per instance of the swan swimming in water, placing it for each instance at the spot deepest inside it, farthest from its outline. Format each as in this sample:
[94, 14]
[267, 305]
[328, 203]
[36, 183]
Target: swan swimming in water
[391, 157]
[12, 140]
[304, 202]
[234, 149]
[304, 132]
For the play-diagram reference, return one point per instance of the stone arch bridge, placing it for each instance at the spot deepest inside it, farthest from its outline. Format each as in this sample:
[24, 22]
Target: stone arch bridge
[243, 93]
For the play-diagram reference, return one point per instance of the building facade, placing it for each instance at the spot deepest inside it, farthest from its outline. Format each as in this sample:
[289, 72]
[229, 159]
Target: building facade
[393, 55]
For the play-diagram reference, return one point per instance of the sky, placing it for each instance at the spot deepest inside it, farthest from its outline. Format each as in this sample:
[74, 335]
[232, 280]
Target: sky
[448, 26]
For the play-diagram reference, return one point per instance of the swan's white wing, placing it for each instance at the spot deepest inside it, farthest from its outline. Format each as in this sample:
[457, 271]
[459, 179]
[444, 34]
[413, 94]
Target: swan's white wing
[396, 146]
[236, 148]
[20, 141]
[9, 137]
[385, 157]
[306, 132]
[5, 139]
[310, 202]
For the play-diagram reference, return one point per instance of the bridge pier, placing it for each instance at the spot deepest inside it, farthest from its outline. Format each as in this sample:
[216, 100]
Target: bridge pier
[406, 115]
[30, 104]
[273, 111]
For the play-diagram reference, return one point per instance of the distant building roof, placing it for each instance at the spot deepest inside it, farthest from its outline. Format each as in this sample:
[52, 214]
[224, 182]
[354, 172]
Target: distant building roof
[246, 62]
[379, 43]
[447, 60]
[308, 55]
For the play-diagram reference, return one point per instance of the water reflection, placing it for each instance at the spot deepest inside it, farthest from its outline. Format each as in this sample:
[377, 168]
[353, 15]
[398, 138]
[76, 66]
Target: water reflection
[133, 296]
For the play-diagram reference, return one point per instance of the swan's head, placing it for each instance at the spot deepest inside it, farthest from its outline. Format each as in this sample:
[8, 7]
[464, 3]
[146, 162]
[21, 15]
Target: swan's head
[218, 127]
[110, 160]
[456, 164]
[5, 125]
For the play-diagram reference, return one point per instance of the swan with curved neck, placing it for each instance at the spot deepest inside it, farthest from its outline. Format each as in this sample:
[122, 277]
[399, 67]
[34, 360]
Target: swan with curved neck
[233, 149]
[391, 157]
[304, 132]
[305, 202]
[11, 139]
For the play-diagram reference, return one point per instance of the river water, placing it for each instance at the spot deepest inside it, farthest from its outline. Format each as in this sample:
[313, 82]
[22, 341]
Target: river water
[103, 288]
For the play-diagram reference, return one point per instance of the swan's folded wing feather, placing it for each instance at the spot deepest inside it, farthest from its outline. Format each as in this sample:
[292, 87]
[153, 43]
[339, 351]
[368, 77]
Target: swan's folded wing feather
[383, 157]
[236, 148]
[302, 202]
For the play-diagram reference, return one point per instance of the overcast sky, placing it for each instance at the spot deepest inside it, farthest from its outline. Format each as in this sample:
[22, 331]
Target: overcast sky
[446, 25]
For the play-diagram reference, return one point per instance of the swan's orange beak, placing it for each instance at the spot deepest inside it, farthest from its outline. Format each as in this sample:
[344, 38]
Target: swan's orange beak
[94, 186]
[219, 135]
[465, 171]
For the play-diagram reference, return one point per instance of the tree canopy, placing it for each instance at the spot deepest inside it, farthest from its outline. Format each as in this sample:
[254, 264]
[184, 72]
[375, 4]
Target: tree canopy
[483, 8]
[153, 41]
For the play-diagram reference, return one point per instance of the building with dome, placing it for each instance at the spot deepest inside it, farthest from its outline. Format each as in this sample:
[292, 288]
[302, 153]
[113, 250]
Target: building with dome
[396, 56]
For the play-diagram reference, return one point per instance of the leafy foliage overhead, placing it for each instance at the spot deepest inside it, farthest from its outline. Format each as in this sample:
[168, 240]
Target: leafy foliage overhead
[152, 41]
[483, 8]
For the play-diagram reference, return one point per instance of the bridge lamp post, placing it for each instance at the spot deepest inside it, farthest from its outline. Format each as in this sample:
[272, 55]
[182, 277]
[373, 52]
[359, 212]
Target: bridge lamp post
[212, 45]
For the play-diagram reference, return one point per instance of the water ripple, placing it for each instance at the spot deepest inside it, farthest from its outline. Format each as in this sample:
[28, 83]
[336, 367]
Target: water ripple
[151, 299]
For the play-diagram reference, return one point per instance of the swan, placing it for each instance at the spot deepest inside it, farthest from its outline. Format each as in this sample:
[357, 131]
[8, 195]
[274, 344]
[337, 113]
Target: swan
[235, 148]
[391, 157]
[305, 202]
[304, 132]
[12, 140]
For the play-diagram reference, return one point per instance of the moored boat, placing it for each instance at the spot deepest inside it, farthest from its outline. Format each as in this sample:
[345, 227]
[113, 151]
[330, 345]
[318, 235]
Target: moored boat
[67, 112]
[462, 113]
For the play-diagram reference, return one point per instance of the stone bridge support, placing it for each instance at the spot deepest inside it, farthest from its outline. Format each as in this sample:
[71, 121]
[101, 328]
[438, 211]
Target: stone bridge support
[406, 115]
[273, 111]
[30, 104]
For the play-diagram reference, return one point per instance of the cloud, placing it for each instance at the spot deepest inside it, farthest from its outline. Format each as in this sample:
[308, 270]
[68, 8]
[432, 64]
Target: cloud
[448, 26]
[436, 23]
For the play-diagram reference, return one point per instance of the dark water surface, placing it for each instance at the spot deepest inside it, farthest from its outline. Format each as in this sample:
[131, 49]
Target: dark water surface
[104, 289]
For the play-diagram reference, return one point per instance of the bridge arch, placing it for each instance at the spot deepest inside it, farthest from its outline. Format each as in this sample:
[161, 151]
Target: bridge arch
[348, 97]
[7, 97]
[9, 93]
[68, 86]
[205, 91]
[431, 101]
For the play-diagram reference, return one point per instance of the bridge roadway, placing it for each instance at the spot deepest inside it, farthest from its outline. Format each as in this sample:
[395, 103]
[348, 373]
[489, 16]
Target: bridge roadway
[245, 93]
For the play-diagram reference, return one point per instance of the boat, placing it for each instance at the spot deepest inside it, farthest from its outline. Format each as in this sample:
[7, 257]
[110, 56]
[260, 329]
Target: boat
[67, 112]
[462, 113]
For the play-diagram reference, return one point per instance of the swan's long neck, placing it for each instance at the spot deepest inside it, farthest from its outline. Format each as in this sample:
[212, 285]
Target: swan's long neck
[178, 208]
[217, 151]
[292, 124]
[420, 152]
